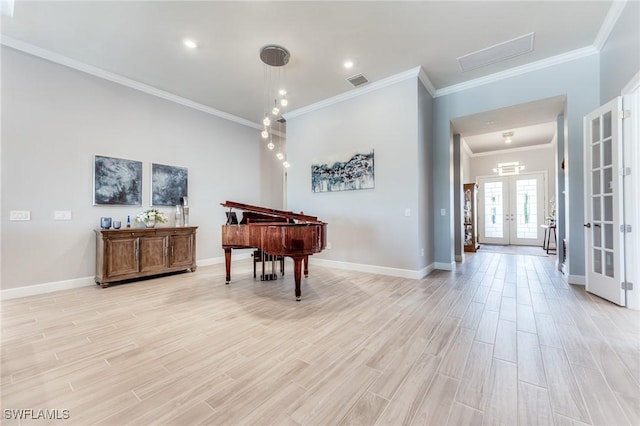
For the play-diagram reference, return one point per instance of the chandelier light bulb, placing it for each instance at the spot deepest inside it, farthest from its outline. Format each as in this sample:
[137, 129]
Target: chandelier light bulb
[286, 164]
[265, 134]
[284, 102]
[270, 145]
[279, 156]
[266, 121]
[282, 92]
[275, 111]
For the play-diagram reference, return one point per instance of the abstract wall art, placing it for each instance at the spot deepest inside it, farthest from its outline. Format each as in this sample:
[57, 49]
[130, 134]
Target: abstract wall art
[168, 184]
[355, 173]
[117, 181]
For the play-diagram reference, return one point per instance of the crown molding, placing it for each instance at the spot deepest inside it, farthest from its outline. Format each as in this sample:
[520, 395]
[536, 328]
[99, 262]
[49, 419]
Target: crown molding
[412, 73]
[119, 79]
[424, 79]
[513, 72]
[632, 85]
[609, 23]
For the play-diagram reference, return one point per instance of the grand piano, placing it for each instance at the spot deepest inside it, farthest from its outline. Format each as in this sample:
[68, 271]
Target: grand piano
[276, 233]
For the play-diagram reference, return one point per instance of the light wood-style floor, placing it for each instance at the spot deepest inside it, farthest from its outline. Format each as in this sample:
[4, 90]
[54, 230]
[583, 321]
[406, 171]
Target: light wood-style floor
[502, 340]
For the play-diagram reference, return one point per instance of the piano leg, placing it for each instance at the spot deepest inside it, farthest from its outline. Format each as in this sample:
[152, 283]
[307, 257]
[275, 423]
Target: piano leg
[306, 266]
[297, 275]
[227, 264]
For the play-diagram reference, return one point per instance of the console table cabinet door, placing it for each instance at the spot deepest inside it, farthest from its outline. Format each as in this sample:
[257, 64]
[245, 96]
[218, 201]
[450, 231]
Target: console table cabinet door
[181, 250]
[125, 254]
[122, 256]
[153, 254]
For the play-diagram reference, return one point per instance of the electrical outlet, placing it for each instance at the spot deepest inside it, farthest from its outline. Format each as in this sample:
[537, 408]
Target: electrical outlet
[62, 215]
[422, 252]
[443, 212]
[407, 212]
[20, 215]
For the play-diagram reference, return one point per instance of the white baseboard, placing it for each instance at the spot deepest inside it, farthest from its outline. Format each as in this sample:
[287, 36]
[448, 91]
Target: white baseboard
[219, 260]
[32, 290]
[443, 266]
[576, 279]
[373, 269]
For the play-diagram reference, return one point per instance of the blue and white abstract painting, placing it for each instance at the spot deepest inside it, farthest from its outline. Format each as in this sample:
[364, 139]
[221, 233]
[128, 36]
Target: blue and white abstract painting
[355, 173]
[117, 181]
[168, 184]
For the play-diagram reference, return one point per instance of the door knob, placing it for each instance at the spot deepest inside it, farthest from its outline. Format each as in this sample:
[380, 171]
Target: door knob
[587, 225]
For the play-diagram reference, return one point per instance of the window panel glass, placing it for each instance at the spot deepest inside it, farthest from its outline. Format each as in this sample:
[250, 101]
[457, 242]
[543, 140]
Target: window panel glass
[595, 156]
[608, 180]
[606, 125]
[595, 130]
[597, 261]
[597, 236]
[493, 214]
[595, 182]
[608, 236]
[596, 208]
[607, 154]
[608, 263]
[608, 208]
[526, 209]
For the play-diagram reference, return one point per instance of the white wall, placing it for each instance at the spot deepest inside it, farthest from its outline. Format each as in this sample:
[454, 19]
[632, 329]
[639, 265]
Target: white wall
[365, 227]
[55, 119]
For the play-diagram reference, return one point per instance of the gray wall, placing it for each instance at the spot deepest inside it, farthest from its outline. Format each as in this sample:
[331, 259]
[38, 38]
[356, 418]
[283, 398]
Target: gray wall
[620, 56]
[55, 119]
[578, 79]
[369, 226]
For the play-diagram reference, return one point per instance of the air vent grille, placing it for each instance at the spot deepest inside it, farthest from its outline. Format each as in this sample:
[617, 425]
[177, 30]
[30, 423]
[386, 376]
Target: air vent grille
[497, 53]
[357, 80]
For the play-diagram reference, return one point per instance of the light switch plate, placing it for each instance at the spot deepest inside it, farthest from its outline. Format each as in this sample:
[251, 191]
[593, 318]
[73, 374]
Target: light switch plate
[443, 212]
[62, 215]
[407, 212]
[20, 215]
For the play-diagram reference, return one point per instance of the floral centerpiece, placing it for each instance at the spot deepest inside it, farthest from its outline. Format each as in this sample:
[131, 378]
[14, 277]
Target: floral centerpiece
[150, 216]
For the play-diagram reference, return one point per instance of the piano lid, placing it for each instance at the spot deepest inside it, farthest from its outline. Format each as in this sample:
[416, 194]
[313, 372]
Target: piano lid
[271, 212]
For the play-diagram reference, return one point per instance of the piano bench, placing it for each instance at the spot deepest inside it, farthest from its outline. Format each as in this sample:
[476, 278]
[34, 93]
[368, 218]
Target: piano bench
[258, 257]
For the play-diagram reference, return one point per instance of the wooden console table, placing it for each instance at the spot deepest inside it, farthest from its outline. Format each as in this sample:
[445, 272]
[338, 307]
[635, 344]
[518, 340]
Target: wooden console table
[123, 254]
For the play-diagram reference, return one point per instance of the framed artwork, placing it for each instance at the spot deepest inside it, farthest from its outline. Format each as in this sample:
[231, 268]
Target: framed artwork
[168, 184]
[355, 173]
[117, 181]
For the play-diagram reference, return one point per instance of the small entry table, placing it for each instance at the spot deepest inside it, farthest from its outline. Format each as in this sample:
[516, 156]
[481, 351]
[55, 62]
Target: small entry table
[548, 230]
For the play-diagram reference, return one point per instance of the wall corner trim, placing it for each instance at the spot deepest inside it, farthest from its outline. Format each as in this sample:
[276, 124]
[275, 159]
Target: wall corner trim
[576, 279]
[406, 75]
[119, 79]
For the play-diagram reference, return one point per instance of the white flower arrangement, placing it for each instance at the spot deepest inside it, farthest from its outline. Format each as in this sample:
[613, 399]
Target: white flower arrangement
[151, 215]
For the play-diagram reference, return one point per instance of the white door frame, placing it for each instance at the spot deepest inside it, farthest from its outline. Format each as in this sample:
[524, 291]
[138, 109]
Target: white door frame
[509, 224]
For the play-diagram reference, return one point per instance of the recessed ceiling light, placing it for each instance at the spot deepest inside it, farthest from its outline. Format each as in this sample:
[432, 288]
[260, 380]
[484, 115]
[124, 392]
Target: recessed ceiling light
[190, 44]
[348, 64]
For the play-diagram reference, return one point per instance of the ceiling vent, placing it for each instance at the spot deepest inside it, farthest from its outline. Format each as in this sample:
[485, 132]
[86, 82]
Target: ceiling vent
[496, 53]
[357, 80]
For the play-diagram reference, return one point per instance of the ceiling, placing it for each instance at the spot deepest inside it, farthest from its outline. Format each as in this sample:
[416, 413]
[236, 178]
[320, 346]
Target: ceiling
[143, 41]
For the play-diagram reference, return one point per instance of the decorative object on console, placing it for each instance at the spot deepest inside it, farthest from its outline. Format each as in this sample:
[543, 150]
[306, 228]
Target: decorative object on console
[469, 227]
[105, 222]
[168, 184]
[356, 173]
[150, 217]
[117, 181]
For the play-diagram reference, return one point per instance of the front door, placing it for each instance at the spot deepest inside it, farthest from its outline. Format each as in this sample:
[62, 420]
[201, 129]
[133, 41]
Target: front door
[603, 210]
[512, 209]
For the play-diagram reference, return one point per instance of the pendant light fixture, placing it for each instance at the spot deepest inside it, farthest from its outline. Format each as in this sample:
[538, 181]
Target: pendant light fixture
[275, 100]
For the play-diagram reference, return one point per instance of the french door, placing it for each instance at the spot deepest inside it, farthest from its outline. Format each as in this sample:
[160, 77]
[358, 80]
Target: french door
[603, 203]
[511, 209]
